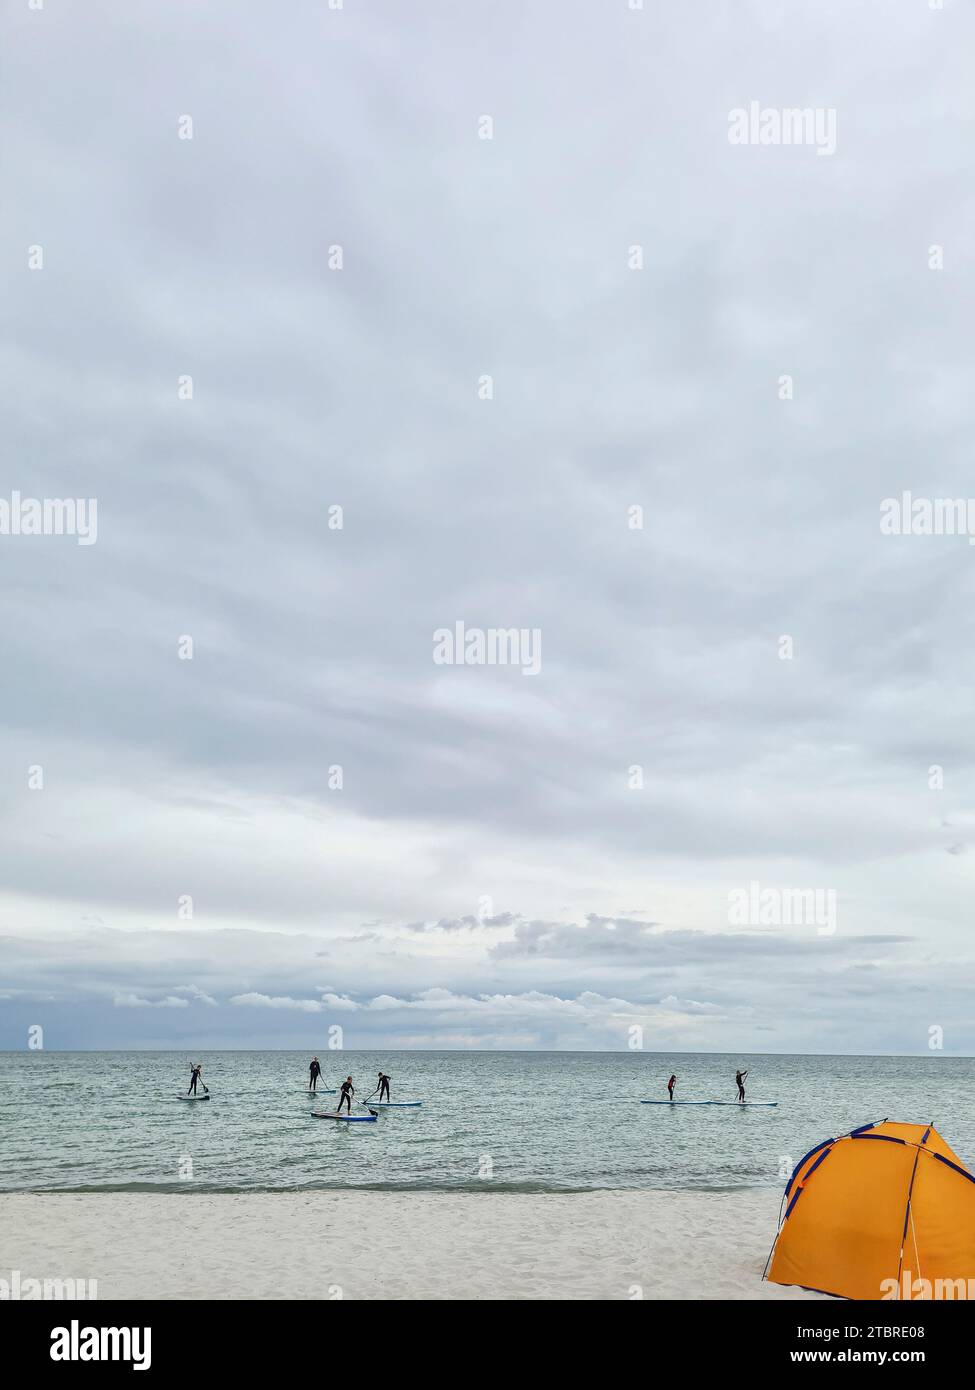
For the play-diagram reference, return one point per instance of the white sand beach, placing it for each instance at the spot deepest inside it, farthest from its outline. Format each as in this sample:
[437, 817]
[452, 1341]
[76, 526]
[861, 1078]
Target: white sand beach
[392, 1245]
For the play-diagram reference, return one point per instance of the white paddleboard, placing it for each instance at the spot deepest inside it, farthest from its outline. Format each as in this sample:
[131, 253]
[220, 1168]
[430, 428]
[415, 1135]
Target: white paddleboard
[678, 1102]
[184, 1096]
[391, 1104]
[742, 1103]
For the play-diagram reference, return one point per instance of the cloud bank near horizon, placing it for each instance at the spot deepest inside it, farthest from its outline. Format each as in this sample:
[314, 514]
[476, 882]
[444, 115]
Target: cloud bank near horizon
[521, 984]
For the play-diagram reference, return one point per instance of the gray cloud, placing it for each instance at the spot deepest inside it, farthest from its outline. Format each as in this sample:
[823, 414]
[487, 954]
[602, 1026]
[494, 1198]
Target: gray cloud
[697, 989]
[209, 779]
[630, 943]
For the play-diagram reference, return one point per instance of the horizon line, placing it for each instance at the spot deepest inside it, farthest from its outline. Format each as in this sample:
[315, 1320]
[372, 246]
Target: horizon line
[494, 1051]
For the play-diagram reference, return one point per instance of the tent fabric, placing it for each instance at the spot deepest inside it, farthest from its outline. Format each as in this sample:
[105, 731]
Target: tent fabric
[888, 1201]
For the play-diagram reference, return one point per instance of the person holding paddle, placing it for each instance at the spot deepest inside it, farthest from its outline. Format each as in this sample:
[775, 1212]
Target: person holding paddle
[346, 1094]
[382, 1089]
[740, 1083]
[314, 1073]
[670, 1086]
[196, 1074]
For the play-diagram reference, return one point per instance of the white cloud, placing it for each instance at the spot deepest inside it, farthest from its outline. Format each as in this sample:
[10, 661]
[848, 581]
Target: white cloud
[336, 1003]
[136, 1001]
[194, 992]
[265, 1001]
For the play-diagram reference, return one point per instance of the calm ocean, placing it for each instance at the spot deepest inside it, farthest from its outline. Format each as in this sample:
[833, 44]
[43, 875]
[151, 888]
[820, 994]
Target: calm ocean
[526, 1121]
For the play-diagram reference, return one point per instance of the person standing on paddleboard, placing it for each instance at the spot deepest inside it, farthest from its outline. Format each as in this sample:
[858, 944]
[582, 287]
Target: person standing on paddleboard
[346, 1094]
[383, 1086]
[740, 1083]
[196, 1074]
[314, 1072]
[670, 1086]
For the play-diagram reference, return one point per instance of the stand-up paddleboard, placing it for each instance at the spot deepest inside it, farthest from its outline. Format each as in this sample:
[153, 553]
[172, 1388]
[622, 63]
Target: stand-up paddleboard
[183, 1096]
[678, 1102]
[322, 1091]
[392, 1104]
[334, 1115]
[742, 1103]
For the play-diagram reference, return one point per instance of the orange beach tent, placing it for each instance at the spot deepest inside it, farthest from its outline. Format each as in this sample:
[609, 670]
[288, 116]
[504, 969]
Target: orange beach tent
[887, 1211]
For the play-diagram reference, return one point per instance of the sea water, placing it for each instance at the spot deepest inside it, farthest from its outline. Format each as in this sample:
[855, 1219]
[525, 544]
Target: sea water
[491, 1121]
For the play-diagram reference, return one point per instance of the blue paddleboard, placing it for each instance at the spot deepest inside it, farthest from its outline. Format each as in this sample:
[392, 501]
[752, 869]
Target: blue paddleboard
[347, 1119]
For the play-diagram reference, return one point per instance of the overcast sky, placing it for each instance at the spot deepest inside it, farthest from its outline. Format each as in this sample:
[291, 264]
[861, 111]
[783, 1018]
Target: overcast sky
[487, 875]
